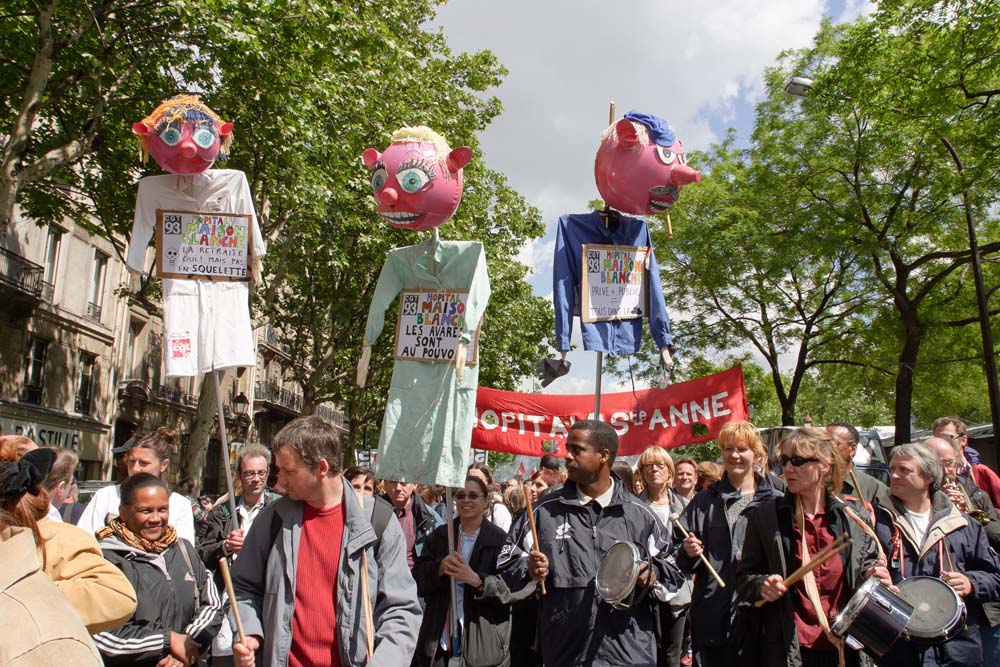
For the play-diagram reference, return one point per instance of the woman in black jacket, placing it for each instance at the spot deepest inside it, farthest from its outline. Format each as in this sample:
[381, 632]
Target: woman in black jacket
[716, 518]
[786, 531]
[483, 597]
[179, 611]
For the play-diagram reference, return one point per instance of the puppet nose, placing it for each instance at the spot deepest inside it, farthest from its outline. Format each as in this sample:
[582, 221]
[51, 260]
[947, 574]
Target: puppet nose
[387, 196]
[682, 174]
[188, 149]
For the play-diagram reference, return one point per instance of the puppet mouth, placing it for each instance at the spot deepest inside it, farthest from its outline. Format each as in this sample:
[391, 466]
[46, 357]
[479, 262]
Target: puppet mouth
[662, 198]
[399, 218]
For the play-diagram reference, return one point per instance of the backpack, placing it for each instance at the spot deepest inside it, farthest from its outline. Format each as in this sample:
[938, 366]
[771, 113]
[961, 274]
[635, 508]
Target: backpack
[381, 514]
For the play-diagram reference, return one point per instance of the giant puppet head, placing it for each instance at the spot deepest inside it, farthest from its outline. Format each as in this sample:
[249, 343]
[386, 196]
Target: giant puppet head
[417, 181]
[640, 167]
[183, 135]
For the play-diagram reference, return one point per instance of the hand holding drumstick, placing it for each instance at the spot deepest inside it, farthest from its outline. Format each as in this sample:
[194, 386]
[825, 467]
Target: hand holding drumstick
[693, 548]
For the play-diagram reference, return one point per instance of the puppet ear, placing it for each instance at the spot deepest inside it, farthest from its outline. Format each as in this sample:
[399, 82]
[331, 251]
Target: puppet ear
[140, 128]
[370, 157]
[225, 129]
[458, 158]
[626, 133]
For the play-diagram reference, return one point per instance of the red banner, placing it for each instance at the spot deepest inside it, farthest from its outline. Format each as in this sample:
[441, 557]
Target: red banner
[682, 414]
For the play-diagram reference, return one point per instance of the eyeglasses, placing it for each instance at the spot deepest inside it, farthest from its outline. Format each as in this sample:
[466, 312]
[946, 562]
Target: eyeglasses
[471, 495]
[250, 474]
[657, 465]
[797, 461]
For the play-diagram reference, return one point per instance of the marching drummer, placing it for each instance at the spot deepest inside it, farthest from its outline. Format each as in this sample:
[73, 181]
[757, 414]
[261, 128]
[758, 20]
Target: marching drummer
[924, 534]
[804, 530]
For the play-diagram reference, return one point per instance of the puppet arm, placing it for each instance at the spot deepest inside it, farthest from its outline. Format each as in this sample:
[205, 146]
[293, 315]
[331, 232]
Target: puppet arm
[366, 355]
[386, 289]
[479, 296]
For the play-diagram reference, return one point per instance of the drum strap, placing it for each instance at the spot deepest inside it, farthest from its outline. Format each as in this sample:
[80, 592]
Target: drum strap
[864, 525]
[812, 590]
[944, 553]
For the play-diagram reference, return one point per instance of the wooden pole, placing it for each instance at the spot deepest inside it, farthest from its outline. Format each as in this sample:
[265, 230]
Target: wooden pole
[228, 579]
[225, 448]
[453, 620]
[534, 531]
[600, 355]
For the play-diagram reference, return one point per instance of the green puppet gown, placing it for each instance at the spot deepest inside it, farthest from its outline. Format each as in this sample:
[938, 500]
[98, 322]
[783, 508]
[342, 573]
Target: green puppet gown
[427, 428]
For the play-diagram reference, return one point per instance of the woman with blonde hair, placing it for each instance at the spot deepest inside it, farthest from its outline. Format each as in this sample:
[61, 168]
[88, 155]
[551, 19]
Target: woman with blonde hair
[656, 469]
[781, 534]
[717, 519]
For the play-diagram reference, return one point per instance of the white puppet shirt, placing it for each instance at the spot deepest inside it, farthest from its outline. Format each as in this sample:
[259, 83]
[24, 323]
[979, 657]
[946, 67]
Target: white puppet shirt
[206, 323]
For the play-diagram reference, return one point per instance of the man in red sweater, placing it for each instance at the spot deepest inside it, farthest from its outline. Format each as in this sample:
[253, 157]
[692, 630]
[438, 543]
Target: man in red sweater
[953, 428]
[315, 585]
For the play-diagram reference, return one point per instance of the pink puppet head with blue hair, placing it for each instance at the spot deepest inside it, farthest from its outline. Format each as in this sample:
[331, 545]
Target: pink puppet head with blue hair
[640, 166]
[417, 180]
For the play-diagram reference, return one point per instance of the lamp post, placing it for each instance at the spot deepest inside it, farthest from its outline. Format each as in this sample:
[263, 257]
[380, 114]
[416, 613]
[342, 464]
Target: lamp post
[800, 87]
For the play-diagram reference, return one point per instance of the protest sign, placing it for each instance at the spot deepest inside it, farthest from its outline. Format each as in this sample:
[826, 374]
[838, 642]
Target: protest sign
[202, 246]
[614, 282]
[681, 414]
[429, 325]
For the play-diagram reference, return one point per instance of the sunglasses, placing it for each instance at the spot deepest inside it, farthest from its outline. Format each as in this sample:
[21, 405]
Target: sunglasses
[797, 461]
[471, 495]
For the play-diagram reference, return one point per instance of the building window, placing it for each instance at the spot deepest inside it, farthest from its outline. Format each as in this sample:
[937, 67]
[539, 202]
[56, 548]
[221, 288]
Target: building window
[85, 385]
[34, 370]
[52, 244]
[98, 277]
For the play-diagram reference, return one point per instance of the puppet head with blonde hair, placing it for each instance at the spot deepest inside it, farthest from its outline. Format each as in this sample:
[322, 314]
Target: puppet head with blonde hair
[183, 135]
[417, 180]
[640, 166]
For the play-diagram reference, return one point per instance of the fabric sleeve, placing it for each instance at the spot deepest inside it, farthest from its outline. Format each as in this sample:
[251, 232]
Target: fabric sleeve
[212, 538]
[397, 611]
[689, 518]
[142, 228]
[95, 513]
[988, 481]
[668, 577]
[479, 296]
[61, 652]
[134, 642]
[659, 321]
[425, 567]
[99, 592]
[386, 289]
[981, 566]
[208, 616]
[512, 563]
[247, 206]
[249, 572]
[565, 278]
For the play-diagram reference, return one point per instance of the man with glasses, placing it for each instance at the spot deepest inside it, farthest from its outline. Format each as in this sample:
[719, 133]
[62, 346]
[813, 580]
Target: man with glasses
[223, 537]
[857, 484]
[953, 428]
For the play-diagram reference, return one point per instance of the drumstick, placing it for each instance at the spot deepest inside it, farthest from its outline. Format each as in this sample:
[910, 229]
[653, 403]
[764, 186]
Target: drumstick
[224, 569]
[676, 519]
[821, 556]
[534, 531]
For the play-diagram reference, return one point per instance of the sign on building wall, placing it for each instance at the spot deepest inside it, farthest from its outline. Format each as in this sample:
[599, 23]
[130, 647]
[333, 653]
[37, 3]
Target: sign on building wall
[430, 324]
[203, 246]
[615, 282]
[43, 435]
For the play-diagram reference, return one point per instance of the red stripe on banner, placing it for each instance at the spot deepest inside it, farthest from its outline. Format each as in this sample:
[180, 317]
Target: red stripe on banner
[682, 414]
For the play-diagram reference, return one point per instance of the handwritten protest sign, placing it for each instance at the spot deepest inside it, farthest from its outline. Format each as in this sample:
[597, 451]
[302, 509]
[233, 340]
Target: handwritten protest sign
[430, 324]
[202, 246]
[615, 282]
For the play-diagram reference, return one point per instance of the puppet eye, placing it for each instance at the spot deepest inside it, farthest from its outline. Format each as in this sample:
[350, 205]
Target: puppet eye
[170, 135]
[204, 137]
[413, 179]
[378, 179]
[665, 154]
[682, 158]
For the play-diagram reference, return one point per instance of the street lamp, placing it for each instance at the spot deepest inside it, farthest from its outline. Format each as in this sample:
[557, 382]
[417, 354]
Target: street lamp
[800, 87]
[240, 404]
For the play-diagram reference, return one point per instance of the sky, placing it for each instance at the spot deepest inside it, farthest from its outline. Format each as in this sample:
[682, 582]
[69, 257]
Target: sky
[699, 65]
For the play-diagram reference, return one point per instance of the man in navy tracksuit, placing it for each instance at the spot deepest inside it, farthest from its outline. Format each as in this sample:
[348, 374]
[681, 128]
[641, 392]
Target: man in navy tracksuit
[576, 526]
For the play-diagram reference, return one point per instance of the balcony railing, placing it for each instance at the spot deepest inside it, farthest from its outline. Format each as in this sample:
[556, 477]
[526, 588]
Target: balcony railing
[20, 274]
[48, 291]
[93, 312]
[270, 338]
[31, 394]
[174, 395]
[269, 392]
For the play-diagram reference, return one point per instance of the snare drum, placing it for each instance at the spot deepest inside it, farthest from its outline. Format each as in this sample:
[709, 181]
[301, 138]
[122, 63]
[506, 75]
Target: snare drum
[938, 611]
[873, 619]
[618, 573]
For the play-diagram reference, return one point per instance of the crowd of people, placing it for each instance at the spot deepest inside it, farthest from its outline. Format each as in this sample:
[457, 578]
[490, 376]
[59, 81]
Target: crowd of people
[337, 567]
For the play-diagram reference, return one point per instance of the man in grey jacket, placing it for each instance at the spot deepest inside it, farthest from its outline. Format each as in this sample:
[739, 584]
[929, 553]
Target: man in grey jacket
[301, 546]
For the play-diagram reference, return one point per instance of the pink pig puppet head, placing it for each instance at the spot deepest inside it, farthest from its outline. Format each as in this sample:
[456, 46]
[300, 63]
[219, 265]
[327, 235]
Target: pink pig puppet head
[183, 135]
[640, 166]
[417, 181]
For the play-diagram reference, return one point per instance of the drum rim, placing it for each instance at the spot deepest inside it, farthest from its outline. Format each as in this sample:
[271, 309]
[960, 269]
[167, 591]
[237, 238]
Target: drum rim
[633, 578]
[950, 625]
[846, 616]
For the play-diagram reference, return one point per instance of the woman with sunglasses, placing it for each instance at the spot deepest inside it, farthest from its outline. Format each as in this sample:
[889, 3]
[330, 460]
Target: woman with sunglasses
[785, 532]
[483, 597]
[716, 519]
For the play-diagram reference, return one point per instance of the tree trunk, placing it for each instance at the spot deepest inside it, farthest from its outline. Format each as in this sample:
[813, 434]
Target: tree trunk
[904, 380]
[193, 457]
